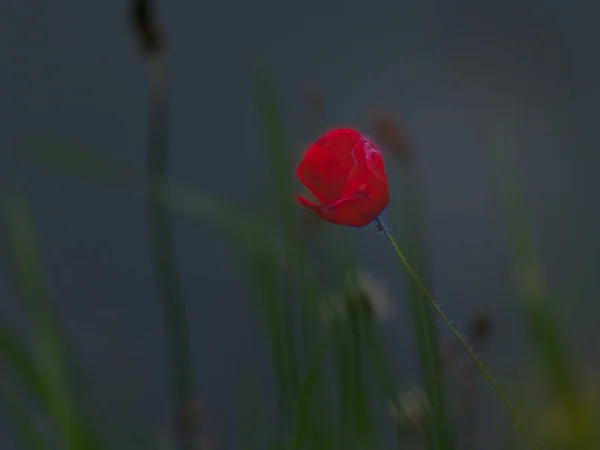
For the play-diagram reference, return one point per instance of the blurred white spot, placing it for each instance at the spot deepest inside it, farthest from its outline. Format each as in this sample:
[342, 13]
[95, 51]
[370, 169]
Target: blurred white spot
[363, 292]
[376, 294]
[409, 410]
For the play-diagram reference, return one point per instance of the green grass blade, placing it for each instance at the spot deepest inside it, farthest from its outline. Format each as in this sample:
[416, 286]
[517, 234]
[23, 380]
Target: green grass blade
[549, 346]
[349, 341]
[265, 278]
[48, 355]
[279, 162]
[20, 362]
[438, 433]
[301, 284]
[544, 332]
[305, 397]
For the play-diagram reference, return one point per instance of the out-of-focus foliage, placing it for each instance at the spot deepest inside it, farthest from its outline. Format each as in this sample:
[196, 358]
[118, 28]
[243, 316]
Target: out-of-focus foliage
[321, 317]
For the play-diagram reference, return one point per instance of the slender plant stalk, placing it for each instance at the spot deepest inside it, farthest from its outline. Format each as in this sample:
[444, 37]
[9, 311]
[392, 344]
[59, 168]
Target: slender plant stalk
[165, 267]
[456, 334]
[438, 434]
[149, 38]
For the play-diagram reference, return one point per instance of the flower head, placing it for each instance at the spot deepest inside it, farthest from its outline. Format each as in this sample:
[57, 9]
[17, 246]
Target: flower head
[345, 173]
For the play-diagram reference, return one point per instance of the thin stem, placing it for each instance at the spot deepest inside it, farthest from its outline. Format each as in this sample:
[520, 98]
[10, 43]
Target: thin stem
[167, 275]
[149, 37]
[456, 334]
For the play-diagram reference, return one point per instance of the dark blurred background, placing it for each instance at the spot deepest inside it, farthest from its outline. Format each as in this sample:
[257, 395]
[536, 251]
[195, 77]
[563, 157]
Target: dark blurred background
[455, 75]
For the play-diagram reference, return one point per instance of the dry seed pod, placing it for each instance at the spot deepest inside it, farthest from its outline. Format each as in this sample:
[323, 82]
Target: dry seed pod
[143, 23]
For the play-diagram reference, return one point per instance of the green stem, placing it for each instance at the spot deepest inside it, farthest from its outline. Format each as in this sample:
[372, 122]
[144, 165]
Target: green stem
[456, 334]
[165, 265]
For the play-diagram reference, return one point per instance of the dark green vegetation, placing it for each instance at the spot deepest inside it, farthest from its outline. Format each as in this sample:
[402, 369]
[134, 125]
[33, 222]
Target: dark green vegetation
[335, 385]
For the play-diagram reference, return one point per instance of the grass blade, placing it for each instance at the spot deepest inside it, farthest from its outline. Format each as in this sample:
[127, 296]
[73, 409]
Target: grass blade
[21, 363]
[48, 355]
[437, 434]
[549, 346]
[303, 315]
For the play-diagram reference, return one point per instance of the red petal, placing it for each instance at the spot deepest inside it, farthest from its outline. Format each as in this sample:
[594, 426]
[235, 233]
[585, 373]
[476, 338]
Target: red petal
[369, 174]
[308, 204]
[328, 164]
[355, 211]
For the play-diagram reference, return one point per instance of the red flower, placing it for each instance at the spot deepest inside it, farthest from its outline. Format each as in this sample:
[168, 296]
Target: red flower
[345, 173]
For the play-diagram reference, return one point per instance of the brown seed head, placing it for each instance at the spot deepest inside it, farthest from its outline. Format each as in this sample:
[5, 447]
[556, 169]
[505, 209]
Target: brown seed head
[387, 133]
[143, 23]
[481, 326]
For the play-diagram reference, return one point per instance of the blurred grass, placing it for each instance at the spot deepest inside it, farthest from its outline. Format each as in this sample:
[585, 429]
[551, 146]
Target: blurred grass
[332, 376]
[21, 363]
[43, 367]
[556, 367]
[412, 237]
[308, 422]
[277, 263]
